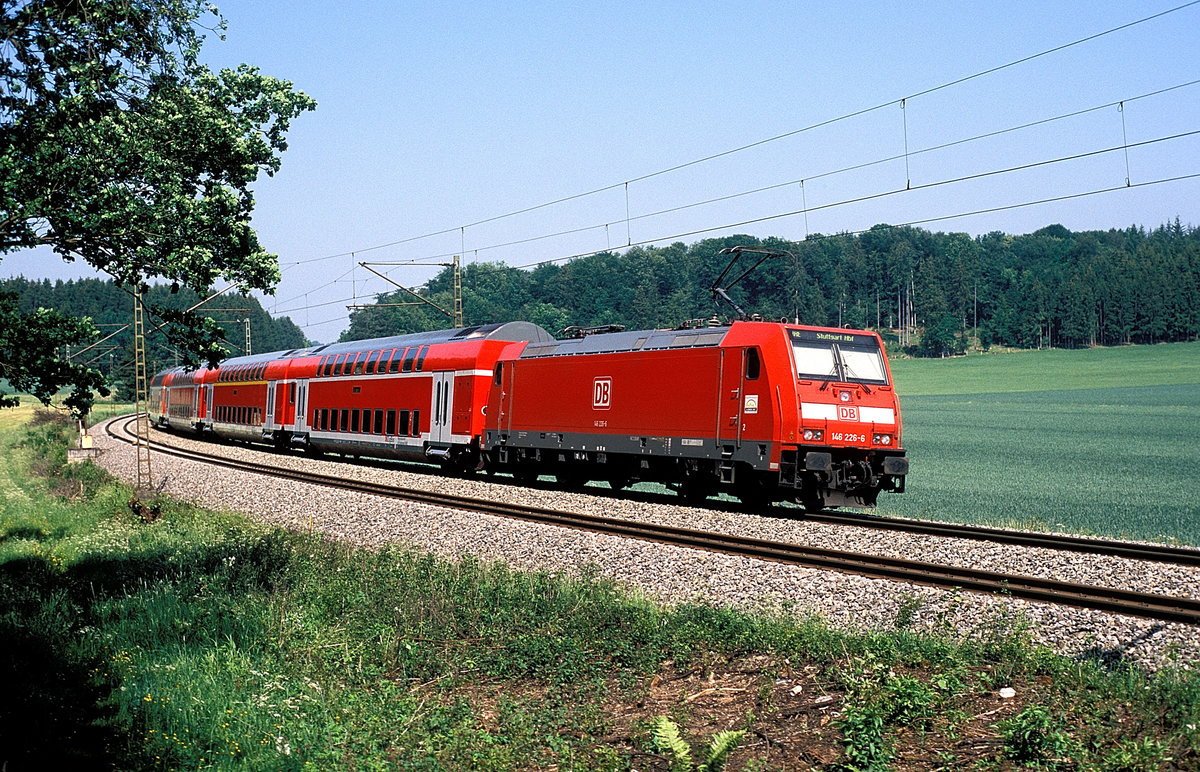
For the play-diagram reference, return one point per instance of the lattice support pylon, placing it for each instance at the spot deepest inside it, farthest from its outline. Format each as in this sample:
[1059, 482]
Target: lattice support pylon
[458, 306]
[142, 405]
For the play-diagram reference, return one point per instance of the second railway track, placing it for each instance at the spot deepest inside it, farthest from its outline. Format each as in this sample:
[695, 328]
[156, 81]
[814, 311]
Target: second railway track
[1113, 600]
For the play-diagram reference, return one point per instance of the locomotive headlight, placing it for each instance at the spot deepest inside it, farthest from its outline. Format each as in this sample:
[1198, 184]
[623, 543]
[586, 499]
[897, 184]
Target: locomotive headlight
[883, 439]
[811, 435]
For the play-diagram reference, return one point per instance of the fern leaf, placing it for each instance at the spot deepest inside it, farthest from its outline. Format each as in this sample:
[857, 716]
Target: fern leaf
[719, 748]
[666, 737]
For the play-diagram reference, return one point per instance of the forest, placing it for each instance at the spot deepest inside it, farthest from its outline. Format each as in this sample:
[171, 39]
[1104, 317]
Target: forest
[111, 309]
[933, 293]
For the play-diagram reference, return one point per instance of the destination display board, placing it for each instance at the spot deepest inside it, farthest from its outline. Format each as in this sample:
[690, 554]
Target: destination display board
[823, 336]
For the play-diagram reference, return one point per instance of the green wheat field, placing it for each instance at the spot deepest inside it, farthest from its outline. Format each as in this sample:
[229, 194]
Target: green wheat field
[1100, 441]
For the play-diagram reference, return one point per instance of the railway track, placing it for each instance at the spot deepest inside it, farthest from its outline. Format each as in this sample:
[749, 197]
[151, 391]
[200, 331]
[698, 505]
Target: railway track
[1113, 600]
[1161, 553]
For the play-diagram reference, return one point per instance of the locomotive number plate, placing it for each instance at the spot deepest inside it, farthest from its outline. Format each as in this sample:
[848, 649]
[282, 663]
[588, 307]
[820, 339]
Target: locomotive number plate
[843, 437]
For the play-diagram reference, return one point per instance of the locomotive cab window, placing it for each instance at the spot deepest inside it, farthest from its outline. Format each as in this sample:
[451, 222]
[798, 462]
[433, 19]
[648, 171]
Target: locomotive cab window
[753, 365]
[841, 357]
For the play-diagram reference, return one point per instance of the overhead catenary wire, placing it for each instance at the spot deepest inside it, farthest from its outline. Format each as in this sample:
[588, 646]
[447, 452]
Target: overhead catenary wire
[791, 133]
[921, 221]
[425, 259]
[843, 234]
[868, 197]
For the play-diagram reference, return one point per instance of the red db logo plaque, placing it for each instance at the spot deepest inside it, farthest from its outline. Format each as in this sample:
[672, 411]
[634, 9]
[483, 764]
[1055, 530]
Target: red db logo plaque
[602, 393]
[847, 413]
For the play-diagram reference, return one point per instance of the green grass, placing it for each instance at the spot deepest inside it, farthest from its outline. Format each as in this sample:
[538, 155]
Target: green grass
[202, 640]
[1167, 364]
[1099, 441]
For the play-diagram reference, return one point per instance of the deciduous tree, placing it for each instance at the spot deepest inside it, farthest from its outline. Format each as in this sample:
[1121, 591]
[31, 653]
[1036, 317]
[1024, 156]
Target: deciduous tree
[120, 148]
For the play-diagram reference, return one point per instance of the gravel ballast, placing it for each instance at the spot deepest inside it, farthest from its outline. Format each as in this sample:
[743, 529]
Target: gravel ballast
[674, 574]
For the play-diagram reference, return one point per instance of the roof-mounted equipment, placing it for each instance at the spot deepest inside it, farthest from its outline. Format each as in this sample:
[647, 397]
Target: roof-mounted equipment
[583, 332]
[723, 292]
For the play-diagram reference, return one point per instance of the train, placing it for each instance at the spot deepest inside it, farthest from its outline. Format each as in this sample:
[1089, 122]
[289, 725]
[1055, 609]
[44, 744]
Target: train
[765, 411]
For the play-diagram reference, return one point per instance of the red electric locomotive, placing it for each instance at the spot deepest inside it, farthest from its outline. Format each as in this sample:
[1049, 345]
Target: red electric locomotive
[762, 410]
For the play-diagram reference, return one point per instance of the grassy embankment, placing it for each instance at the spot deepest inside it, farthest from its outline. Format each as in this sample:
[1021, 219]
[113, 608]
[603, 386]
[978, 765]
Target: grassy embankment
[1093, 441]
[204, 641]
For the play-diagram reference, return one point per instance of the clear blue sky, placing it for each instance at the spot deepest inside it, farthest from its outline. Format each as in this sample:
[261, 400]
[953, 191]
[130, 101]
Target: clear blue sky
[434, 116]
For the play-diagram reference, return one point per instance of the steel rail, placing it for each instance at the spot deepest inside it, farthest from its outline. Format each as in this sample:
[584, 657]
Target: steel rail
[1162, 553]
[1162, 608]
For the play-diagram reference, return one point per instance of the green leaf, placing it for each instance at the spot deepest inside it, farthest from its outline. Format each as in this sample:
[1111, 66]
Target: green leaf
[719, 748]
[666, 738]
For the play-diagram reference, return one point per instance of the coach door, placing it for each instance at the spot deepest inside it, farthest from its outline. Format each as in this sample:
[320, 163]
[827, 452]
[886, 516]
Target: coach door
[270, 405]
[208, 403]
[301, 405]
[443, 401]
[729, 408]
[508, 373]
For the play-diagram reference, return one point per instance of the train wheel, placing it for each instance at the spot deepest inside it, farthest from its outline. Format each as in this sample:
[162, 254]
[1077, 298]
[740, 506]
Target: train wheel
[619, 482]
[755, 496]
[756, 490]
[524, 475]
[696, 488]
[572, 478]
[812, 502]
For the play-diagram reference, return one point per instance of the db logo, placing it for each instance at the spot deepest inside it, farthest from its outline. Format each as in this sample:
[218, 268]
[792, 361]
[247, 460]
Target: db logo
[847, 413]
[602, 393]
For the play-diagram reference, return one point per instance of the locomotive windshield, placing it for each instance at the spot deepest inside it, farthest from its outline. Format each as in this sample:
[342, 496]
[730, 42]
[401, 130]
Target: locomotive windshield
[835, 356]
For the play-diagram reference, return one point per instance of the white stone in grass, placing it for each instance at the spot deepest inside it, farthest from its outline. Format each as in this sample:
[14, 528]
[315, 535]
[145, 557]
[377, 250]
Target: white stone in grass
[1007, 693]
